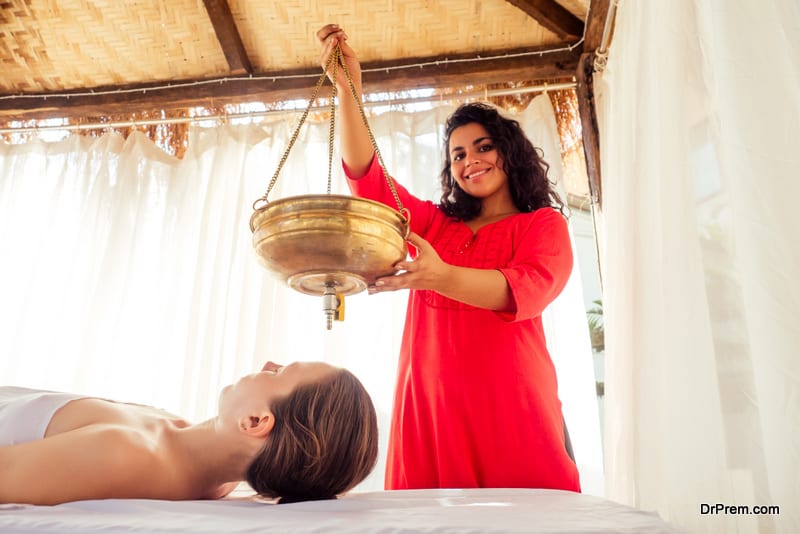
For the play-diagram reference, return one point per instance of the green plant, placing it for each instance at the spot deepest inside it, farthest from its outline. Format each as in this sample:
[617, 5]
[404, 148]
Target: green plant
[596, 331]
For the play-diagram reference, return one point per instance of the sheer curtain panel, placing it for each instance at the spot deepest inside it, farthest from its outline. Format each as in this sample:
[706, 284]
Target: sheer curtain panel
[699, 109]
[131, 275]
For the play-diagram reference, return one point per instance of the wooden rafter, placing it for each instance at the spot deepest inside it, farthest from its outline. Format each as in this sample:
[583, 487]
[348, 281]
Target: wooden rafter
[552, 16]
[228, 36]
[595, 24]
[590, 134]
[437, 72]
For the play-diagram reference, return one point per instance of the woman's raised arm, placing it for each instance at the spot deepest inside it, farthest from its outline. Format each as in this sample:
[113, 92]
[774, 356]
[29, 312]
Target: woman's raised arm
[357, 149]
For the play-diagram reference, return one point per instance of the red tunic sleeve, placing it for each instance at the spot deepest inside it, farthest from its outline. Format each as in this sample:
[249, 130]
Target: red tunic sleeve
[540, 265]
[373, 186]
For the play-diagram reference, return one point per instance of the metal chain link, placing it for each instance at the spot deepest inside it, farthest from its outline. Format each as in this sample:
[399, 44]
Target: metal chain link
[311, 101]
[337, 58]
[337, 54]
[403, 211]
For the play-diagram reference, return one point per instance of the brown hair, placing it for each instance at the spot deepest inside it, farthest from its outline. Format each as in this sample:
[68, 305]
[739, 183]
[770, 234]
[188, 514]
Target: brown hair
[324, 441]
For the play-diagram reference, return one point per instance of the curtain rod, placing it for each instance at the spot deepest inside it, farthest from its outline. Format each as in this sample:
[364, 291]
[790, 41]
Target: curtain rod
[543, 88]
[601, 54]
[606, 38]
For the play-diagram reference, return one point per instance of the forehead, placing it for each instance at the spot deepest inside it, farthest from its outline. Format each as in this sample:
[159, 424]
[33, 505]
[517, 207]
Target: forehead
[467, 134]
[307, 371]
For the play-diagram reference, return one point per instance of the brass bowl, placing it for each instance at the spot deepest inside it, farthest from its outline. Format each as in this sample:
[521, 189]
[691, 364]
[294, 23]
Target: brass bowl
[316, 241]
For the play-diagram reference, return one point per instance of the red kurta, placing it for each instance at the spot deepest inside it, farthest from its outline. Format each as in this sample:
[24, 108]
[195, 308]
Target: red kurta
[476, 402]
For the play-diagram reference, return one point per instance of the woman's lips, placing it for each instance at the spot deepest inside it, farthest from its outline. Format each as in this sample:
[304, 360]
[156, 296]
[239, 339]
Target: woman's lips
[476, 174]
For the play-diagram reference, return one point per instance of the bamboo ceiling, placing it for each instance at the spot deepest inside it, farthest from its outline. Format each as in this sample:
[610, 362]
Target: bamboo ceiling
[103, 57]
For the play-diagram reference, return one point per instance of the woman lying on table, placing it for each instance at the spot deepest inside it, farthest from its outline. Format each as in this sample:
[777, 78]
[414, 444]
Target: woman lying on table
[306, 431]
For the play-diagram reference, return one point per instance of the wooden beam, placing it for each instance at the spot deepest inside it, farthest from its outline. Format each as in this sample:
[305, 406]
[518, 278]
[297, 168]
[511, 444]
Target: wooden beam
[552, 16]
[228, 36]
[589, 131]
[436, 72]
[595, 24]
[592, 40]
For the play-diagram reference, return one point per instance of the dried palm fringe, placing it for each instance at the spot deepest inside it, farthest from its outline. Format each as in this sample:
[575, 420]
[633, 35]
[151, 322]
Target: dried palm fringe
[174, 138]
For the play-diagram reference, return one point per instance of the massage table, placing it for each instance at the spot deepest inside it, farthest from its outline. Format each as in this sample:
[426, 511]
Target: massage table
[433, 511]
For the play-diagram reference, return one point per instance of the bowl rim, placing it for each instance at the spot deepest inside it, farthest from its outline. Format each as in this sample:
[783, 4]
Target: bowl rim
[271, 206]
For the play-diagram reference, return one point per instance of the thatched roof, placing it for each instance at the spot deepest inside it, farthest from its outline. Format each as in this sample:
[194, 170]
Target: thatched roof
[96, 57]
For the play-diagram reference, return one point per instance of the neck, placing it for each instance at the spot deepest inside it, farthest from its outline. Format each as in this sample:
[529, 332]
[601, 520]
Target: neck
[498, 212]
[215, 456]
[497, 207]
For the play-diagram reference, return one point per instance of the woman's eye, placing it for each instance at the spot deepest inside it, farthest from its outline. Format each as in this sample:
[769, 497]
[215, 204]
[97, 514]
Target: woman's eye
[458, 157]
[486, 148]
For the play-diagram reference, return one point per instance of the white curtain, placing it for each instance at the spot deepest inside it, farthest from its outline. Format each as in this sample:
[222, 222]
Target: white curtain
[699, 111]
[129, 274]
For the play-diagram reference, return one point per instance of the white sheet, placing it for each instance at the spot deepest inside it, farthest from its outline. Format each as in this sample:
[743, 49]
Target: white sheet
[435, 511]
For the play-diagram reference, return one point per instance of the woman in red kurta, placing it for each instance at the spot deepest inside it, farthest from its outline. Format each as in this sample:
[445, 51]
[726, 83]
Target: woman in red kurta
[476, 402]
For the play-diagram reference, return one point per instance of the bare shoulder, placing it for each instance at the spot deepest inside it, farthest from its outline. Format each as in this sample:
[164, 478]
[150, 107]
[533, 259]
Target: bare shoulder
[93, 462]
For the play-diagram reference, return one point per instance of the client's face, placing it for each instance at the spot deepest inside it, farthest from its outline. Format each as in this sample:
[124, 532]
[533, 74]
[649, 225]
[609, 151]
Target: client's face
[273, 382]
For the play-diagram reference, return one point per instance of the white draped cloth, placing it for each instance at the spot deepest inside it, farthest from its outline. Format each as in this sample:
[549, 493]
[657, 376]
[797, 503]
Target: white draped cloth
[129, 274]
[699, 110]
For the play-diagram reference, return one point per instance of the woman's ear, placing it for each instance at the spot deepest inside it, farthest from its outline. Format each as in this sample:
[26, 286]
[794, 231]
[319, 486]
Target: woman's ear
[257, 426]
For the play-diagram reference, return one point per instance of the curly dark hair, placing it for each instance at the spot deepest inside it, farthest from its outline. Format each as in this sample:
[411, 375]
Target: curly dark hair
[530, 187]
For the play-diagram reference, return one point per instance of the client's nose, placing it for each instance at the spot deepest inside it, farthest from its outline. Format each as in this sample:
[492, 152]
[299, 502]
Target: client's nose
[271, 366]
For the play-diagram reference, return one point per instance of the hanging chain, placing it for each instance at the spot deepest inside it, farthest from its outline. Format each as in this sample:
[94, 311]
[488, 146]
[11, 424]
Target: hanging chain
[337, 58]
[403, 211]
[265, 196]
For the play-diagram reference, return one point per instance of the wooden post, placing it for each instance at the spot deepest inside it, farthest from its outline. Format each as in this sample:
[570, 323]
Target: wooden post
[590, 135]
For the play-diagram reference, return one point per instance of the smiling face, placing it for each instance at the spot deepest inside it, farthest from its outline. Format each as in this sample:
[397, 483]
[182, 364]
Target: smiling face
[476, 164]
[255, 392]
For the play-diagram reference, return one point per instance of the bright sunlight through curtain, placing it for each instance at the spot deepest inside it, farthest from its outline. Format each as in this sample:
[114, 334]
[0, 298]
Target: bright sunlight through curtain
[129, 274]
[699, 111]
